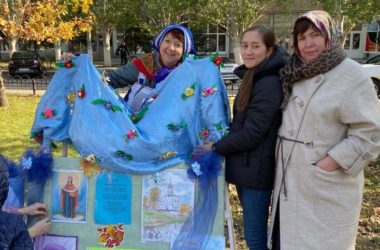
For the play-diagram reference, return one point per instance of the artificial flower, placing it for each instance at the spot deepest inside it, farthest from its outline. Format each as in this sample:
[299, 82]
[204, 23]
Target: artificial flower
[218, 60]
[111, 235]
[196, 167]
[82, 92]
[70, 98]
[26, 163]
[167, 155]
[189, 92]
[130, 135]
[209, 91]
[204, 133]
[48, 113]
[89, 165]
[68, 64]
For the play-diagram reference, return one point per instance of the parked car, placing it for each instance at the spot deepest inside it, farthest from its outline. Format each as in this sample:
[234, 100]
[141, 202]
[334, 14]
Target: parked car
[373, 70]
[372, 60]
[26, 63]
[227, 70]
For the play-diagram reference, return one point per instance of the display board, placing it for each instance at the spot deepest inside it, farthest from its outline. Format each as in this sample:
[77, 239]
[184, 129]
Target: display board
[110, 209]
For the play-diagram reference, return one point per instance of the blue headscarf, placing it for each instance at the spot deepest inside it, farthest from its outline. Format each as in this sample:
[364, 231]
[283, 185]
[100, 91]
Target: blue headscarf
[188, 46]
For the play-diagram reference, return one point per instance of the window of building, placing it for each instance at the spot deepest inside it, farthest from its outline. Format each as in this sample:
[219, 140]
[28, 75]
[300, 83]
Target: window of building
[214, 40]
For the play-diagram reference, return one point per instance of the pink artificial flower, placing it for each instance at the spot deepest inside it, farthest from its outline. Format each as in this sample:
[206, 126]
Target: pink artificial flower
[49, 113]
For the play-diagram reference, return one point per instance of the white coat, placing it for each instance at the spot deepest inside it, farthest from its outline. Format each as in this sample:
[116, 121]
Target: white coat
[335, 114]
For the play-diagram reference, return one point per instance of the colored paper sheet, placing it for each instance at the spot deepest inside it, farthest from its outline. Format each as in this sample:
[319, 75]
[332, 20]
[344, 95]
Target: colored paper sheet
[113, 198]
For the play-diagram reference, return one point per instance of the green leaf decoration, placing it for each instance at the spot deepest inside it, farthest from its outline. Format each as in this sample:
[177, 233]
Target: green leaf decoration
[136, 117]
[98, 101]
[116, 108]
[122, 154]
[59, 64]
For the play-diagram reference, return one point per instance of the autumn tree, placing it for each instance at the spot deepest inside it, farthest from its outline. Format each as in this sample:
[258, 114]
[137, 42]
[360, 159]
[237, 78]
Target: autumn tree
[349, 13]
[154, 196]
[55, 20]
[3, 97]
[12, 17]
[153, 15]
[234, 16]
[107, 14]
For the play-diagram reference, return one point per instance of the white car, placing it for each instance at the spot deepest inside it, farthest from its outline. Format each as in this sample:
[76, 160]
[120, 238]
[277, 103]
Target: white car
[227, 71]
[373, 71]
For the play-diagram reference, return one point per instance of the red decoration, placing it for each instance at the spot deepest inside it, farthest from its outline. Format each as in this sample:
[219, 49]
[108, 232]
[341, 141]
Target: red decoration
[82, 92]
[218, 60]
[48, 113]
[68, 64]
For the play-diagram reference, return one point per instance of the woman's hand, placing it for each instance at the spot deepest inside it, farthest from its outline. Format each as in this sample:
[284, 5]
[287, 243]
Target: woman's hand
[67, 56]
[35, 209]
[206, 147]
[328, 164]
[40, 227]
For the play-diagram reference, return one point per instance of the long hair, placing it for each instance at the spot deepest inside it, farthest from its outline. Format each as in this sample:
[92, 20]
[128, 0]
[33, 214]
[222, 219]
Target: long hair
[269, 40]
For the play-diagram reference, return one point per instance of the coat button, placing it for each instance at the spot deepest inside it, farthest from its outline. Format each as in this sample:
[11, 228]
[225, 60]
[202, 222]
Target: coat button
[291, 132]
[374, 138]
[319, 78]
[301, 104]
[366, 156]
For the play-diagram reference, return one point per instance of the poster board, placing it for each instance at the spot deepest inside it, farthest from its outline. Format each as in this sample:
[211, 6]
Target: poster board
[85, 228]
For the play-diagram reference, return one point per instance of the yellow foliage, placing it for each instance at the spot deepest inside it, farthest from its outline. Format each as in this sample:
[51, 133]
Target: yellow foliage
[46, 20]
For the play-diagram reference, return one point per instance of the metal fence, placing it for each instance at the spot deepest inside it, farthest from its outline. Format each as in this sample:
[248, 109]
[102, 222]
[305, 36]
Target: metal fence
[41, 83]
[26, 82]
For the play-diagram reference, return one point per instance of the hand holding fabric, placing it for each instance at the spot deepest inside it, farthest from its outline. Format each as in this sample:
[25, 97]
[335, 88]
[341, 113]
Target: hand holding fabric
[34, 209]
[40, 227]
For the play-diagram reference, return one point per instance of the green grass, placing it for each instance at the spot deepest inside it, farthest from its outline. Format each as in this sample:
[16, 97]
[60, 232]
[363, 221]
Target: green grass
[17, 119]
[15, 124]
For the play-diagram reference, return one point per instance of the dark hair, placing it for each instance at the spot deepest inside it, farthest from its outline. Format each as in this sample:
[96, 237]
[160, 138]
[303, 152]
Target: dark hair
[178, 34]
[269, 40]
[300, 27]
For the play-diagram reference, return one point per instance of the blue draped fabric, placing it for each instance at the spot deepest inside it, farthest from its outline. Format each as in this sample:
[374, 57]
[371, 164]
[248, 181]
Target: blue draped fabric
[170, 125]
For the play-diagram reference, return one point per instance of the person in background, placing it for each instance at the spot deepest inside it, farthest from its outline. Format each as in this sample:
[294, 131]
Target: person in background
[249, 148]
[122, 50]
[143, 73]
[330, 131]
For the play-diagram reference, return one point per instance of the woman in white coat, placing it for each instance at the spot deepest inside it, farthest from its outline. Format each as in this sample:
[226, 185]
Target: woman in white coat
[329, 133]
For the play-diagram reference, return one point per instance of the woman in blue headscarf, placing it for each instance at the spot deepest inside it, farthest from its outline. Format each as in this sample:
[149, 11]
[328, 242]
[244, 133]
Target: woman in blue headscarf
[169, 47]
[171, 43]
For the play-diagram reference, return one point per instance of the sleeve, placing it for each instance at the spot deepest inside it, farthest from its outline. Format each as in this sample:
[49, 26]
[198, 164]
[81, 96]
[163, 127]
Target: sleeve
[261, 113]
[123, 76]
[360, 110]
[22, 239]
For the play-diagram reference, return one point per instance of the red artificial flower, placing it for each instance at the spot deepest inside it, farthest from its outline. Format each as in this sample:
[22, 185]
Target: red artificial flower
[68, 64]
[218, 60]
[38, 138]
[131, 134]
[82, 93]
[204, 133]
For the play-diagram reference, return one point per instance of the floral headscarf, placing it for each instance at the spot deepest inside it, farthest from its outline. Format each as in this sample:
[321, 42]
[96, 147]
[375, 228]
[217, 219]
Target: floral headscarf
[188, 46]
[325, 24]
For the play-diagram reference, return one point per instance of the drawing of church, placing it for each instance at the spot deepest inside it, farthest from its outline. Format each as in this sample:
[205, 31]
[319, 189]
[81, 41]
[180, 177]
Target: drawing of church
[170, 201]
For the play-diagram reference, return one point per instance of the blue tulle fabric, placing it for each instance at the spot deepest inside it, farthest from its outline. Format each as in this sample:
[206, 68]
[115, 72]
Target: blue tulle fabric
[198, 227]
[168, 130]
[35, 167]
